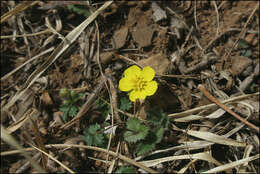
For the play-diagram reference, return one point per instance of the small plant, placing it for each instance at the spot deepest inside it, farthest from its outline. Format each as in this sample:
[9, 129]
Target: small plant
[136, 130]
[125, 104]
[147, 136]
[93, 135]
[70, 105]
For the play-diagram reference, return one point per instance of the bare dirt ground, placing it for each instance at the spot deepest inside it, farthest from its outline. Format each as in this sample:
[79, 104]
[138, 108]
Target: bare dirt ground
[60, 75]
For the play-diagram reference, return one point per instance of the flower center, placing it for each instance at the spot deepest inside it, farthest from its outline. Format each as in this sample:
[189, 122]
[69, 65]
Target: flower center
[140, 84]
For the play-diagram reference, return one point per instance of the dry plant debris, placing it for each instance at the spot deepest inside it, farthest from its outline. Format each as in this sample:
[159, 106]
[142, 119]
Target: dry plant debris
[194, 104]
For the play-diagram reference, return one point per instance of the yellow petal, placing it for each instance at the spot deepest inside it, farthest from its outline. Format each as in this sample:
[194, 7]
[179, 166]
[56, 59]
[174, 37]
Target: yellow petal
[132, 72]
[148, 73]
[133, 96]
[151, 88]
[136, 95]
[125, 84]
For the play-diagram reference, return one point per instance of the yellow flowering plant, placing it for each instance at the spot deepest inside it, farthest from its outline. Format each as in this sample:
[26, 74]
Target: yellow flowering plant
[138, 82]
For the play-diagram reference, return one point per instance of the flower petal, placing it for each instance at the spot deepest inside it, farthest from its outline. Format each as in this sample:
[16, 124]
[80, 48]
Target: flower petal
[132, 72]
[136, 95]
[151, 88]
[148, 73]
[133, 96]
[125, 84]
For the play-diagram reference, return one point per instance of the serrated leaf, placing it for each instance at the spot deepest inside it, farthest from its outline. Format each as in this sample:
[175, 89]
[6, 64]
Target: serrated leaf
[136, 131]
[158, 118]
[92, 135]
[125, 104]
[133, 137]
[73, 111]
[133, 124]
[124, 169]
[144, 147]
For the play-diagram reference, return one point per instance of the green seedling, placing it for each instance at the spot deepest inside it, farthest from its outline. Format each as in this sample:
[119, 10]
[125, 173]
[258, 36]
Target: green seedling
[125, 104]
[146, 136]
[135, 130]
[93, 135]
[71, 103]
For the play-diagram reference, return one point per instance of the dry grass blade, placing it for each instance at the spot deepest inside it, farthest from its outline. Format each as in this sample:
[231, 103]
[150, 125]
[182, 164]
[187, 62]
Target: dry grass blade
[187, 166]
[12, 128]
[232, 165]
[25, 63]
[122, 157]
[189, 118]
[20, 7]
[26, 35]
[11, 141]
[70, 38]
[209, 106]
[201, 156]
[62, 165]
[215, 138]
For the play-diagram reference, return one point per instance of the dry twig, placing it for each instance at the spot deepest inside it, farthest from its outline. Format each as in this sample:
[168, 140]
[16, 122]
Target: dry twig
[213, 99]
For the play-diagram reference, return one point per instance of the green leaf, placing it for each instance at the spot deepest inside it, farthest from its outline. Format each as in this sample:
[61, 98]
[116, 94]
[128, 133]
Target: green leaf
[92, 135]
[80, 10]
[159, 134]
[157, 118]
[124, 169]
[125, 104]
[64, 108]
[144, 147]
[243, 43]
[155, 136]
[137, 131]
[73, 111]
[246, 53]
[133, 124]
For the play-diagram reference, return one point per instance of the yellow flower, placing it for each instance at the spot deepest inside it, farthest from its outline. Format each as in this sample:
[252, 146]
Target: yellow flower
[139, 82]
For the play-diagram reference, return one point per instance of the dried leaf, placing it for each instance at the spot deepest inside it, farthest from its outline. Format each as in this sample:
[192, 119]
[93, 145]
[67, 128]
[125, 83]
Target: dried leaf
[215, 138]
[232, 164]
[158, 62]
[119, 37]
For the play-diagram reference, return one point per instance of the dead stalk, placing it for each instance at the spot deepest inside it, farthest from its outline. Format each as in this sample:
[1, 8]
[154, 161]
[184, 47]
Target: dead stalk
[213, 99]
